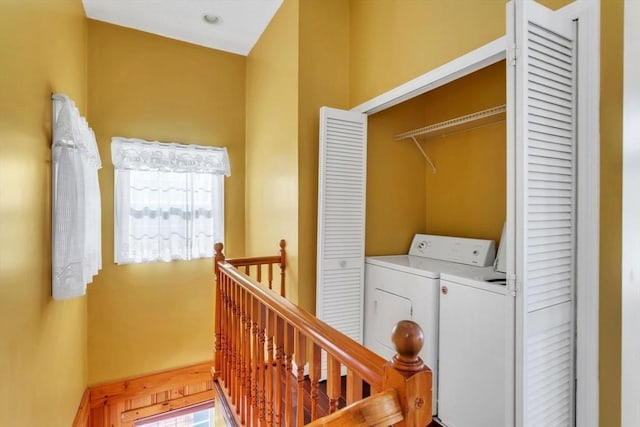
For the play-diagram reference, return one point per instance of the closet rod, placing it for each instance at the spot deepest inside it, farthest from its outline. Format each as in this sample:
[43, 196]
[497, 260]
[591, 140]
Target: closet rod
[463, 123]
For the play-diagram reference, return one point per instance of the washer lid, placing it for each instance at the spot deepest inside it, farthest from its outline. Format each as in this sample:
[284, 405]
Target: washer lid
[426, 267]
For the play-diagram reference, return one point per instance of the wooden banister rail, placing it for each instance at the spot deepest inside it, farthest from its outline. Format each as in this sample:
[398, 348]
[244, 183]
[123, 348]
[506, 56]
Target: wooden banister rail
[270, 357]
[382, 409]
[258, 262]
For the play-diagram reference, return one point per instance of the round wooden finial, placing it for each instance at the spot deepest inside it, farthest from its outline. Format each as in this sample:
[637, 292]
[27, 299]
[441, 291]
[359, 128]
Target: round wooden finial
[283, 255]
[218, 248]
[219, 256]
[408, 338]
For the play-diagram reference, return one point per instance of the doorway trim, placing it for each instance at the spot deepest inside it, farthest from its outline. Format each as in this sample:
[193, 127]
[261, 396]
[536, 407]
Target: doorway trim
[630, 218]
[587, 14]
[468, 63]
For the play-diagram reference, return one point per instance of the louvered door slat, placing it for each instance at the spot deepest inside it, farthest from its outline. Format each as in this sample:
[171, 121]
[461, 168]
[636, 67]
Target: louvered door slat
[551, 100]
[545, 146]
[341, 205]
[551, 139]
[539, 105]
[544, 74]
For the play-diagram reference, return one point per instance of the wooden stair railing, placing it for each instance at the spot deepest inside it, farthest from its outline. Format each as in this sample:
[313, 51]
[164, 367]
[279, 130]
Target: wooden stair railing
[255, 266]
[268, 350]
[382, 409]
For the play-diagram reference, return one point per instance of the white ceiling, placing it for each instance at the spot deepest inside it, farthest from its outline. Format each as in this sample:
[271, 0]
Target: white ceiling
[241, 21]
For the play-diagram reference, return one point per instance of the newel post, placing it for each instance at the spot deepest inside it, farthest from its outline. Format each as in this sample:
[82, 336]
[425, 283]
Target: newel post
[409, 376]
[217, 357]
[283, 266]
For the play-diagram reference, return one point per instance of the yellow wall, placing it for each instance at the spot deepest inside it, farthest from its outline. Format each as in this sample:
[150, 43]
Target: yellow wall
[395, 180]
[272, 141]
[467, 195]
[43, 353]
[323, 80]
[149, 317]
[393, 41]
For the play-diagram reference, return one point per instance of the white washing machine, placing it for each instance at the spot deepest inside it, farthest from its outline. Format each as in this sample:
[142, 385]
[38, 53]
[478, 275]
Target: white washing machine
[407, 287]
[476, 350]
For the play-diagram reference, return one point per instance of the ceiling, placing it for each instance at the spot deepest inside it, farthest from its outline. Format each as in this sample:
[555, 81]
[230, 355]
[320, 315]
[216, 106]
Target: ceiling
[239, 25]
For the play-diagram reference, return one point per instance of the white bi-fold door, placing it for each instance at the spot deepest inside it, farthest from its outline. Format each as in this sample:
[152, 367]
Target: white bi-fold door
[341, 213]
[542, 173]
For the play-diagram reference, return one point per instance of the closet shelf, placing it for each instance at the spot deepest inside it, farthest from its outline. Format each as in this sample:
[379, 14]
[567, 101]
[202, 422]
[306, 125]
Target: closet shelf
[459, 124]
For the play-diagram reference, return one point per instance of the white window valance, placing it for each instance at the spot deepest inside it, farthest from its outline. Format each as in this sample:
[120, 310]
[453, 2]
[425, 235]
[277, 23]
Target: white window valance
[169, 200]
[138, 154]
[76, 228]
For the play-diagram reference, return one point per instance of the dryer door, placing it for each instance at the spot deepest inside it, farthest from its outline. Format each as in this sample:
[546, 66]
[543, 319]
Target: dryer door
[388, 310]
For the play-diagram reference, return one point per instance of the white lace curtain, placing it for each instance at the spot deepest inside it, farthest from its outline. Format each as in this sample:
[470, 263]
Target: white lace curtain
[76, 232]
[169, 200]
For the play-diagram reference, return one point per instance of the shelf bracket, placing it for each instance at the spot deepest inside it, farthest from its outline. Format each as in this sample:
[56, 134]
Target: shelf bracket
[433, 167]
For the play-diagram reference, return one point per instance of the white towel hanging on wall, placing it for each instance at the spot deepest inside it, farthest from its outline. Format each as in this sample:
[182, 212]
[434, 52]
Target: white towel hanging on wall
[76, 209]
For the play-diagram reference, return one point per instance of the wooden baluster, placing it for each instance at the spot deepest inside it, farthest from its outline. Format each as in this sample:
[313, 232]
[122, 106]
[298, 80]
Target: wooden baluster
[270, 276]
[255, 365]
[354, 387]
[315, 367]
[235, 328]
[283, 266]
[238, 335]
[259, 273]
[300, 354]
[247, 270]
[240, 381]
[238, 347]
[333, 383]
[247, 365]
[238, 388]
[375, 389]
[271, 317]
[217, 358]
[262, 325]
[230, 351]
[409, 376]
[279, 368]
[224, 325]
[228, 331]
[288, 386]
[240, 359]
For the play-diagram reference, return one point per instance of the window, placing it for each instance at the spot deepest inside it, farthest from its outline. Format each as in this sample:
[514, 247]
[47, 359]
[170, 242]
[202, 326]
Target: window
[169, 200]
[199, 415]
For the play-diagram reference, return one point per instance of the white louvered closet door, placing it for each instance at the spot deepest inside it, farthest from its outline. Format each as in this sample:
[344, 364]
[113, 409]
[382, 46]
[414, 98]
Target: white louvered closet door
[341, 212]
[545, 217]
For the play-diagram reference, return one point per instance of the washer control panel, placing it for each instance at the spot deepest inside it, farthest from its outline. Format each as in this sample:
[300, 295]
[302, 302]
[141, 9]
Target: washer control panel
[476, 252]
